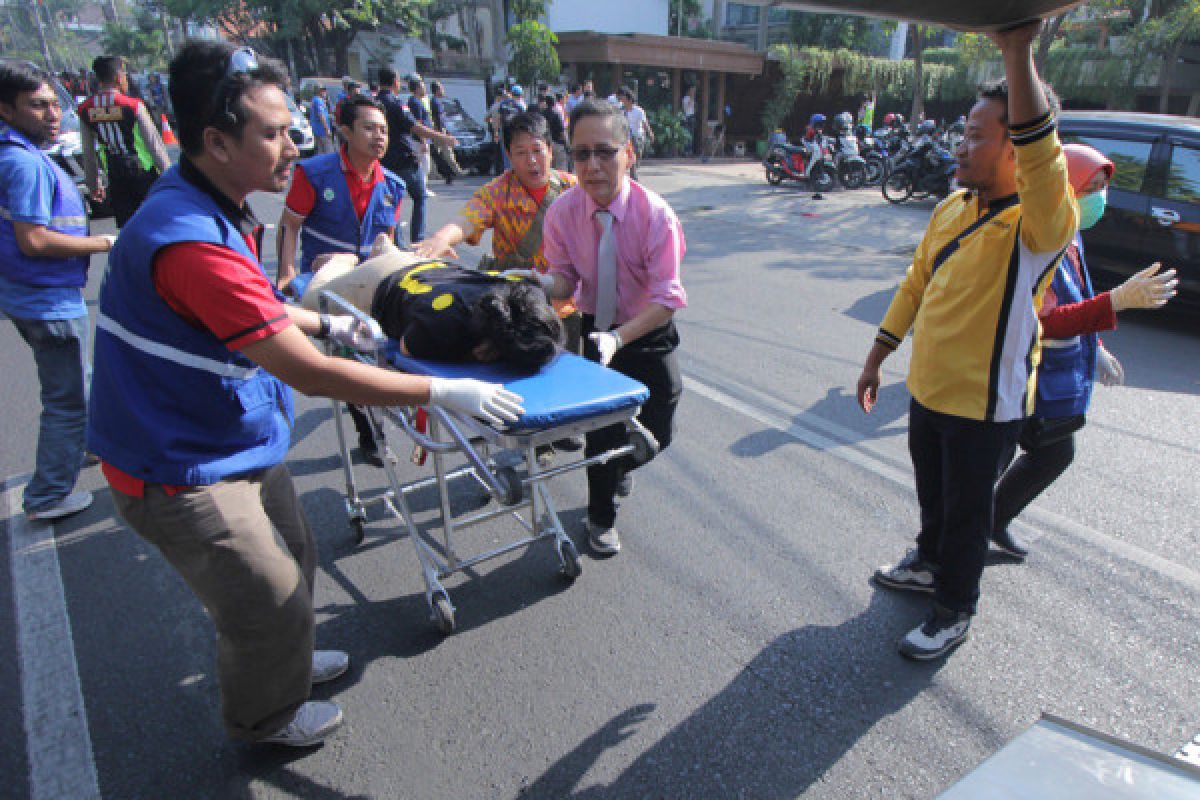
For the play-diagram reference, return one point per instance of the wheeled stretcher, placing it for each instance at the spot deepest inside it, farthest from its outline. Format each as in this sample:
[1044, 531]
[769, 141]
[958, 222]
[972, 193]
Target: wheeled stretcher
[567, 397]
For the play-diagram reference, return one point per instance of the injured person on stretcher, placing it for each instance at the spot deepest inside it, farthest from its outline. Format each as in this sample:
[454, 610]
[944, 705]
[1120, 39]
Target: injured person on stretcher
[438, 311]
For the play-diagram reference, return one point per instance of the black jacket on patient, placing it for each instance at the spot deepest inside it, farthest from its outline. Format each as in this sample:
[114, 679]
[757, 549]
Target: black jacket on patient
[447, 313]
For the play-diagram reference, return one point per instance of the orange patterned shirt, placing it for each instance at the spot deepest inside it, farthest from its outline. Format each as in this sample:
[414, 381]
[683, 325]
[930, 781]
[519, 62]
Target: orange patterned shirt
[506, 207]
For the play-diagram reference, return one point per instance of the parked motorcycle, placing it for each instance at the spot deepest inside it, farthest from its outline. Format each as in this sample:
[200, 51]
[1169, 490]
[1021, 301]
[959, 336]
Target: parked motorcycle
[849, 164]
[923, 172]
[797, 163]
[874, 154]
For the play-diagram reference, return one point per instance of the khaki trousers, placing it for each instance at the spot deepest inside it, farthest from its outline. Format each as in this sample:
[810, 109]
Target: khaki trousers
[245, 549]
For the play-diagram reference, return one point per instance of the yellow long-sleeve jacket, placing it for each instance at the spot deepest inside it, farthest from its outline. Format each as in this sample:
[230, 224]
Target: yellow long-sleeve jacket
[976, 281]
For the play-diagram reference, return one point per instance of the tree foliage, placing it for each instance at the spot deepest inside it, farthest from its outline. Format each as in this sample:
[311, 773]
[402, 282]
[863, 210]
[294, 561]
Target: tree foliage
[141, 43]
[811, 70]
[840, 31]
[534, 56]
[689, 10]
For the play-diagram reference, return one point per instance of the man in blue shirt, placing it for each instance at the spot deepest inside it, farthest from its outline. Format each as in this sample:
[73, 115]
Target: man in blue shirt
[322, 123]
[44, 253]
[404, 132]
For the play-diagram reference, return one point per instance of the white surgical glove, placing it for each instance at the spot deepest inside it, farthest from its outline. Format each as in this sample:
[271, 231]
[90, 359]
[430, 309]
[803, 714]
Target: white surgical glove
[1146, 289]
[1108, 369]
[544, 279]
[112, 239]
[490, 402]
[350, 332]
[608, 343]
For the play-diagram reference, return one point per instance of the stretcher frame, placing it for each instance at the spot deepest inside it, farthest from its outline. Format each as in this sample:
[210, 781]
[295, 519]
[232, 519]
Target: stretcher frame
[493, 460]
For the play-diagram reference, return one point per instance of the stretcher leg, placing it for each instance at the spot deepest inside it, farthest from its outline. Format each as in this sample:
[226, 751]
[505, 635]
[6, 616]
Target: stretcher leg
[356, 511]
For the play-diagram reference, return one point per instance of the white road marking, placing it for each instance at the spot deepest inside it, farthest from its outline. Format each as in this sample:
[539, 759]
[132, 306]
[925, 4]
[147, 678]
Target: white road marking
[1190, 752]
[61, 763]
[850, 446]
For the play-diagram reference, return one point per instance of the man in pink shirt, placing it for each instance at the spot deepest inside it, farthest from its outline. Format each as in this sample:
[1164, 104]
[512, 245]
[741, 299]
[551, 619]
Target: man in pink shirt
[617, 247]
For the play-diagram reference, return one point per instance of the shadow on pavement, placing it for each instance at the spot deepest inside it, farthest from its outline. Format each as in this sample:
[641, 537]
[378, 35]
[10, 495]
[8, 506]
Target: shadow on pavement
[782, 723]
[837, 403]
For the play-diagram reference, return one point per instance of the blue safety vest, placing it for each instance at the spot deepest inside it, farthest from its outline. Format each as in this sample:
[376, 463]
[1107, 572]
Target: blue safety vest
[68, 215]
[170, 403]
[332, 226]
[1064, 383]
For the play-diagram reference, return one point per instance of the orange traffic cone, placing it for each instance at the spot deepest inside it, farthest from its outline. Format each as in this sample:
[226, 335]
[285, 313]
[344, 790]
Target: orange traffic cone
[168, 135]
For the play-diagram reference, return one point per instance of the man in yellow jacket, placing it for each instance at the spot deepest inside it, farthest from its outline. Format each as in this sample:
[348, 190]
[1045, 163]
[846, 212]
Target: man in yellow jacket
[970, 298]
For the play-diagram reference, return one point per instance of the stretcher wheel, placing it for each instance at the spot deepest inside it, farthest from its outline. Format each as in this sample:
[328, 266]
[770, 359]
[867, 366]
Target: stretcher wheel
[645, 448]
[572, 564]
[510, 486]
[443, 613]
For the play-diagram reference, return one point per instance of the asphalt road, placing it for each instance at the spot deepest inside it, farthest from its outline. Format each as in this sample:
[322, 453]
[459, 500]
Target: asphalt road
[734, 649]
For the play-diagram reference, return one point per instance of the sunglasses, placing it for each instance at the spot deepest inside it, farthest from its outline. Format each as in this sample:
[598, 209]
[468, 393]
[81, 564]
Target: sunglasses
[581, 155]
[241, 61]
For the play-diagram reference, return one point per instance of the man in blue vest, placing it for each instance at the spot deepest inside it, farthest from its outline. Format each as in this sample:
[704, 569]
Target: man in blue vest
[44, 254]
[338, 203]
[191, 412]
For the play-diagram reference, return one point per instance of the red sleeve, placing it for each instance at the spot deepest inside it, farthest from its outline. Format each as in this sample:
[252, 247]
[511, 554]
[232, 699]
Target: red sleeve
[1075, 319]
[220, 290]
[301, 197]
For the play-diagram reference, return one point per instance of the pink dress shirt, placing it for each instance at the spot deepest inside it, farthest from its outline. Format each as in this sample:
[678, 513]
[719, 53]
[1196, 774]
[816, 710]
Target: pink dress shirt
[650, 248]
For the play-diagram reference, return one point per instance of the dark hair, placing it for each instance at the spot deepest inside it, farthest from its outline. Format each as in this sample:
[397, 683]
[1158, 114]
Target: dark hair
[107, 68]
[625, 91]
[387, 77]
[201, 92]
[17, 77]
[413, 84]
[602, 108]
[998, 90]
[348, 112]
[436, 86]
[321, 88]
[575, 87]
[526, 122]
[519, 324]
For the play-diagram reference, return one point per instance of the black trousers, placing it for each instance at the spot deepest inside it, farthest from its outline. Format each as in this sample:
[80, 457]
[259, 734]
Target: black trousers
[956, 462]
[127, 189]
[650, 360]
[1048, 447]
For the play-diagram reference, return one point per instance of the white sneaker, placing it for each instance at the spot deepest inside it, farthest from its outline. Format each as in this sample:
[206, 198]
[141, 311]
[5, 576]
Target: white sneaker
[314, 721]
[328, 664]
[71, 504]
[605, 541]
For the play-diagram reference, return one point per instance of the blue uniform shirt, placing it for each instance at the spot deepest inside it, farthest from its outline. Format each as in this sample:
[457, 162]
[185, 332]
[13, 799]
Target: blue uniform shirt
[27, 192]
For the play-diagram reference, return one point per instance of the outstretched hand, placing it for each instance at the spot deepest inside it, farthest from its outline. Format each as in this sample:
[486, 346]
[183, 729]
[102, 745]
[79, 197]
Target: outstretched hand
[1018, 39]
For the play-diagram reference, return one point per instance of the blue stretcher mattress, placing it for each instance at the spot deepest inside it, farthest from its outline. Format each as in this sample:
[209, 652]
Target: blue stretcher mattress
[568, 389]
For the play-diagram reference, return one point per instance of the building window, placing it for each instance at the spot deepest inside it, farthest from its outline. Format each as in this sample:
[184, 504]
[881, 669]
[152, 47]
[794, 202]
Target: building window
[741, 14]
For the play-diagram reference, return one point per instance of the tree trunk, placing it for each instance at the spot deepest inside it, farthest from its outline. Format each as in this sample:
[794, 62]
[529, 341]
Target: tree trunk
[1049, 31]
[1168, 74]
[918, 104]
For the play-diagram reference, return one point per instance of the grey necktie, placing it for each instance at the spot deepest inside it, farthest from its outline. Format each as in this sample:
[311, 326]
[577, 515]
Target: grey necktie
[606, 273]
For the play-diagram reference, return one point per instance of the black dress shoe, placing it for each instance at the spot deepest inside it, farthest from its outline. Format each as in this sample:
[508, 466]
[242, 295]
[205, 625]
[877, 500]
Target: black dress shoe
[1010, 544]
[370, 452]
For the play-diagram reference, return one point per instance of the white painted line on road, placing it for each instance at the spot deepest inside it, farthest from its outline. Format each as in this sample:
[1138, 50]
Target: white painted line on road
[1190, 752]
[61, 763]
[853, 448]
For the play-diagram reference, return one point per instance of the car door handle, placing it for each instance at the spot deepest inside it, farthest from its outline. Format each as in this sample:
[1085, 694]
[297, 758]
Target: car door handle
[1165, 216]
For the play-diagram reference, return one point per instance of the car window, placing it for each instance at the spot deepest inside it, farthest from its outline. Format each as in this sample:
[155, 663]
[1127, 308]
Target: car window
[1129, 158]
[1183, 179]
